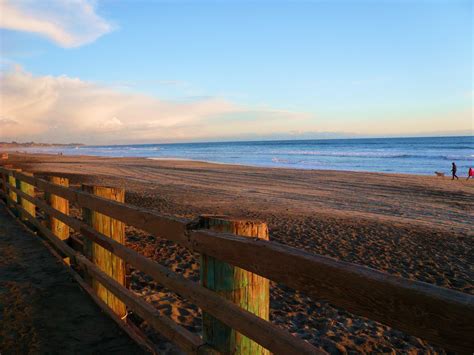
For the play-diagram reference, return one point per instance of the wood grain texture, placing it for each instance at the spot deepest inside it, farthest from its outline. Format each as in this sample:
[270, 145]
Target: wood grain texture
[59, 229]
[247, 290]
[5, 178]
[167, 227]
[187, 341]
[444, 317]
[104, 259]
[29, 190]
[11, 193]
[263, 332]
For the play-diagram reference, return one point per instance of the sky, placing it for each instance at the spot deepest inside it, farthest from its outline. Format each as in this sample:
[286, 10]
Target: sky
[144, 71]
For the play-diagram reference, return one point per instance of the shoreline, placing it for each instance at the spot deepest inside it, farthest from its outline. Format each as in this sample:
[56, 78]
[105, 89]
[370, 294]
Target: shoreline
[174, 159]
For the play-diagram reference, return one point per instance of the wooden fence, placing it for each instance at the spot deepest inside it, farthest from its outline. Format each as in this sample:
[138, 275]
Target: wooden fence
[441, 316]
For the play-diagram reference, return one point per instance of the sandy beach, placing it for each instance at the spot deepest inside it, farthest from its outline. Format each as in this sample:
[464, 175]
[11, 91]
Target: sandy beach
[418, 227]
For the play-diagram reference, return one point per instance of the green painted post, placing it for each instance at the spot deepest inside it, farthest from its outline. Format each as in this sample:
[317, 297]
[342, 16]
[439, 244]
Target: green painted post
[250, 291]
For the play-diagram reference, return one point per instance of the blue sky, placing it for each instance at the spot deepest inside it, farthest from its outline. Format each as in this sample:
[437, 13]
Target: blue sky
[267, 68]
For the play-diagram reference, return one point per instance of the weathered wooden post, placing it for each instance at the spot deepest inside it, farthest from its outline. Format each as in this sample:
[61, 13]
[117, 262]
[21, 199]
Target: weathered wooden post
[4, 181]
[59, 229]
[29, 190]
[248, 290]
[4, 187]
[12, 194]
[109, 263]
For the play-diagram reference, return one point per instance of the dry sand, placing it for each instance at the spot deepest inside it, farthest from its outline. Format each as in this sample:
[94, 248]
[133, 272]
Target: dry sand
[417, 227]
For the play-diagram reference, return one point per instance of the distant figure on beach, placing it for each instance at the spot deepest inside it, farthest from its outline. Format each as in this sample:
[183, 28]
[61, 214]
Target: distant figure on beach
[470, 173]
[454, 169]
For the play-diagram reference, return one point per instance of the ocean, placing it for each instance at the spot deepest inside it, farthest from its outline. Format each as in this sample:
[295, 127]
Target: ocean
[388, 155]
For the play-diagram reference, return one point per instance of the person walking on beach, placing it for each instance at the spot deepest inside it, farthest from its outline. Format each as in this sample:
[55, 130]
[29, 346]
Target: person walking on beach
[470, 173]
[454, 169]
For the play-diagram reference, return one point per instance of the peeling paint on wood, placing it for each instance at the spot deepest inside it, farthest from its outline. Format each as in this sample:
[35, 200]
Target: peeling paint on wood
[248, 290]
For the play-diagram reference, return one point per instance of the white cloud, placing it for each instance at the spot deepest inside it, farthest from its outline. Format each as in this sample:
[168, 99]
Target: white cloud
[64, 109]
[69, 23]
[111, 124]
[7, 122]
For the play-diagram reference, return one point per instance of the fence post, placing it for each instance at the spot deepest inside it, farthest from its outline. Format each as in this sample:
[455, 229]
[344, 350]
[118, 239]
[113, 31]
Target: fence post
[4, 181]
[59, 229]
[12, 194]
[109, 263]
[249, 291]
[29, 190]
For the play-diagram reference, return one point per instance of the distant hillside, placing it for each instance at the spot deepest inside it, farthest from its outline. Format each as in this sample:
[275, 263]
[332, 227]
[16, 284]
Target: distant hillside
[33, 144]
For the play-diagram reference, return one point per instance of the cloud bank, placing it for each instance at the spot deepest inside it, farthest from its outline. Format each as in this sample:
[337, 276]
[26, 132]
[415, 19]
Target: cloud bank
[64, 109]
[69, 23]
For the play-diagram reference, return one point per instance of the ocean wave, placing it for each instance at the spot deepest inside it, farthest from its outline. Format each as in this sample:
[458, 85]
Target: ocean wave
[460, 147]
[143, 148]
[450, 147]
[119, 149]
[278, 160]
[453, 157]
[285, 161]
[348, 154]
[372, 155]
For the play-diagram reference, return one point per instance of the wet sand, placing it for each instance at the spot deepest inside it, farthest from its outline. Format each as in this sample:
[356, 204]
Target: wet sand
[417, 227]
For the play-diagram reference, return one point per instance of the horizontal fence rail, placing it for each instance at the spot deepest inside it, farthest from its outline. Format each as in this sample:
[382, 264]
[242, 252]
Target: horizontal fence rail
[188, 341]
[442, 316]
[245, 322]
